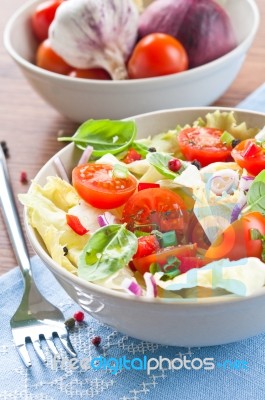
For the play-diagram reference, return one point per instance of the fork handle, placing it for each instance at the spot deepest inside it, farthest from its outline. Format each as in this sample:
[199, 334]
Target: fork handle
[11, 218]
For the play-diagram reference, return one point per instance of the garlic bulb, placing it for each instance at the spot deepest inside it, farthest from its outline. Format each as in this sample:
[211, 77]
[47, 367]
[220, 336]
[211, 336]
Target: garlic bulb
[95, 34]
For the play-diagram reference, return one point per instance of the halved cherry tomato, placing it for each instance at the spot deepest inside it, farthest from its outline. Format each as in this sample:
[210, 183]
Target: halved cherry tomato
[195, 233]
[161, 257]
[157, 206]
[98, 187]
[46, 58]
[247, 154]
[147, 245]
[92, 73]
[43, 17]
[157, 54]
[203, 144]
[235, 242]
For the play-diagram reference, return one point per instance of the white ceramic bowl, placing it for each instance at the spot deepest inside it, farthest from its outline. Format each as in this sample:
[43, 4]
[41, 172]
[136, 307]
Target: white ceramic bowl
[182, 322]
[81, 99]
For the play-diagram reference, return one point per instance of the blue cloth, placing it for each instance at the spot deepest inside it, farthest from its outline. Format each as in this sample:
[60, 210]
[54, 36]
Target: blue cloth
[238, 373]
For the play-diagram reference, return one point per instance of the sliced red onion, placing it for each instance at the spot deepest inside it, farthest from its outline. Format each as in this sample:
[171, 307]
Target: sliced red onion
[242, 201]
[151, 287]
[85, 155]
[107, 219]
[245, 183]
[60, 169]
[223, 181]
[132, 287]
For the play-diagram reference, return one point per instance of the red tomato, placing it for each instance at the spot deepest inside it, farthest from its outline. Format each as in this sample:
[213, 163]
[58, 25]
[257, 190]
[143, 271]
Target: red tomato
[93, 73]
[155, 206]
[96, 185]
[250, 156]
[235, 242]
[147, 245]
[46, 58]
[188, 263]
[131, 156]
[203, 144]
[196, 234]
[43, 17]
[161, 257]
[157, 54]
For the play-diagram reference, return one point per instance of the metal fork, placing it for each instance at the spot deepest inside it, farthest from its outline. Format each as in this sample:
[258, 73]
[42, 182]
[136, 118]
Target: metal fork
[35, 318]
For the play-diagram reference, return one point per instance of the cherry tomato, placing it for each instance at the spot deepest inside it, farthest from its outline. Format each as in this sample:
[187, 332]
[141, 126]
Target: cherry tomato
[157, 54]
[147, 245]
[235, 242]
[131, 156]
[196, 234]
[96, 185]
[43, 17]
[188, 263]
[203, 144]
[46, 58]
[93, 73]
[161, 257]
[157, 206]
[247, 154]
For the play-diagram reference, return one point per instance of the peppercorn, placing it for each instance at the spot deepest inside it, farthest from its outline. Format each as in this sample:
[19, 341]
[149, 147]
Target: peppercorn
[79, 316]
[23, 177]
[174, 165]
[196, 163]
[235, 142]
[96, 341]
[152, 149]
[65, 251]
[70, 323]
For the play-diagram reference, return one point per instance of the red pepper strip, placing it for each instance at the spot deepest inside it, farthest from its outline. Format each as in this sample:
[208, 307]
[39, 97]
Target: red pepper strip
[147, 185]
[74, 223]
[251, 150]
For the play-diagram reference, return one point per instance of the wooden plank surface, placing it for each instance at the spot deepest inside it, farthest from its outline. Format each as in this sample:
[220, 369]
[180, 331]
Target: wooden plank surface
[30, 126]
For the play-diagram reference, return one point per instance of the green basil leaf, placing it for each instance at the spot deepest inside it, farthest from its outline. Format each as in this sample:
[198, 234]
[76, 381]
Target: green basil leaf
[256, 194]
[160, 162]
[109, 249]
[141, 148]
[106, 136]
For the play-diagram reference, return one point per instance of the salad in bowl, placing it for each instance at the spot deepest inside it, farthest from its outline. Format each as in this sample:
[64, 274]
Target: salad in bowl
[163, 215]
[154, 225]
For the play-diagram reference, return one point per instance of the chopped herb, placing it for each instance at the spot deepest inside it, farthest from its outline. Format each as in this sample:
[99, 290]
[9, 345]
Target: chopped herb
[227, 138]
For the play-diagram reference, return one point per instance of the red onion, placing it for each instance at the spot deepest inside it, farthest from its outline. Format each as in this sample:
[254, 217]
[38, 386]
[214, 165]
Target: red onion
[242, 201]
[151, 287]
[86, 155]
[107, 219]
[60, 169]
[132, 287]
[223, 181]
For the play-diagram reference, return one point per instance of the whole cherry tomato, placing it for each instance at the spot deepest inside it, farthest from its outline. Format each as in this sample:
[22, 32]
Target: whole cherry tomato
[46, 58]
[157, 54]
[43, 17]
[92, 73]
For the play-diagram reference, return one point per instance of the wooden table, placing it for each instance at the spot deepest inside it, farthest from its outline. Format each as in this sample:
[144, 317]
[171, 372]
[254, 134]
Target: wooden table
[30, 126]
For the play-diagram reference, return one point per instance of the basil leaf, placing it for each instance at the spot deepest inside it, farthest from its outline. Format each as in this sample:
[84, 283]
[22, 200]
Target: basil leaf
[109, 249]
[160, 162]
[106, 136]
[256, 194]
[141, 148]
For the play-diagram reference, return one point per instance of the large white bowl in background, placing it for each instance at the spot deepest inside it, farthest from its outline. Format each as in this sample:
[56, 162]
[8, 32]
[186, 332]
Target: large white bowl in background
[81, 99]
[182, 322]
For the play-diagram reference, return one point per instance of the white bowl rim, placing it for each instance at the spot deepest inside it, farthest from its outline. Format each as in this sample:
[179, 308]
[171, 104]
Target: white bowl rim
[189, 74]
[68, 276]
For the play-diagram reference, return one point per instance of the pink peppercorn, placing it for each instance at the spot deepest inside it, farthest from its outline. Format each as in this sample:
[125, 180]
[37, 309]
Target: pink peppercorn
[96, 341]
[79, 316]
[23, 177]
[174, 165]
